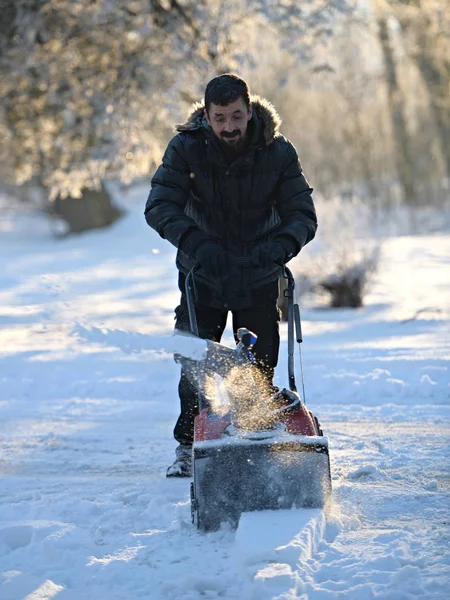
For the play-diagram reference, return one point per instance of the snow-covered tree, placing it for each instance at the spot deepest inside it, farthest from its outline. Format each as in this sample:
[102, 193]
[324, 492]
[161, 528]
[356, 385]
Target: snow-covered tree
[84, 90]
[91, 87]
[426, 31]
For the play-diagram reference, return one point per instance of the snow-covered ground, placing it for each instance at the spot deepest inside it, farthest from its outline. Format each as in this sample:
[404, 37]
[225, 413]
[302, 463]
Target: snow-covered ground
[86, 432]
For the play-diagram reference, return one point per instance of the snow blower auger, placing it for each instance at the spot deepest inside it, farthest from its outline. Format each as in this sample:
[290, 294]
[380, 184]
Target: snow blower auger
[252, 450]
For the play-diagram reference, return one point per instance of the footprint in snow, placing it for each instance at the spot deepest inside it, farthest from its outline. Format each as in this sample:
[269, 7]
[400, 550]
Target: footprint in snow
[16, 536]
[367, 471]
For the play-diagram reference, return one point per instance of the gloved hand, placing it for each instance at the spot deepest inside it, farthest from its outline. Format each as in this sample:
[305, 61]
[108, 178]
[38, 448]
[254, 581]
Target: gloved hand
[214, 260]
[269, 254]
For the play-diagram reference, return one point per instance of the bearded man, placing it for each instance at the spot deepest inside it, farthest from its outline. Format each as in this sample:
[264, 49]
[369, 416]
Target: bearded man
[230, 186]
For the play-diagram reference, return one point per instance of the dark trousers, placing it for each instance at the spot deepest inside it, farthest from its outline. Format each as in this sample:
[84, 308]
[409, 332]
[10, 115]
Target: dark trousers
[262, 319]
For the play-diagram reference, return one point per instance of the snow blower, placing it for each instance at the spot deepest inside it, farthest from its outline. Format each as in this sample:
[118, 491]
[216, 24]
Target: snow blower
[252, 450]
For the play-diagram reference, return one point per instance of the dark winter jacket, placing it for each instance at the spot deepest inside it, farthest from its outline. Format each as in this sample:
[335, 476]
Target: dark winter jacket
[197, 194]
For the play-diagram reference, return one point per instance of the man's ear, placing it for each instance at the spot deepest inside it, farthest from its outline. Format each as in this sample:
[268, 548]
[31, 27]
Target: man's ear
[205, 112]
[250, 111]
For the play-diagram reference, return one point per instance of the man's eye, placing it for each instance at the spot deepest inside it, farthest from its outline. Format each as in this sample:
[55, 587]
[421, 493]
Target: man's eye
[220, 120]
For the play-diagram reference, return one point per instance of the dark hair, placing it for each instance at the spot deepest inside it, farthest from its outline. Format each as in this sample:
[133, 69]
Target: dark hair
[226, 88]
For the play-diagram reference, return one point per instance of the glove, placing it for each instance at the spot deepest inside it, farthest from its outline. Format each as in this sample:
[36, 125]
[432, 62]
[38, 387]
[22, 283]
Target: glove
[269, 254]
[214, 260]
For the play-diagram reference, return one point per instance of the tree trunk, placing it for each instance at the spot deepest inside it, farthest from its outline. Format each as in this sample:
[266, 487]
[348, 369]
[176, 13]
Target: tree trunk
[429, 48]
[93, 210]
[438, 86]
[403, 152]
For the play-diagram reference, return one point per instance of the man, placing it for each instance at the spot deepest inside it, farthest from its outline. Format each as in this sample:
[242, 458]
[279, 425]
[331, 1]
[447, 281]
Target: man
[230, 186]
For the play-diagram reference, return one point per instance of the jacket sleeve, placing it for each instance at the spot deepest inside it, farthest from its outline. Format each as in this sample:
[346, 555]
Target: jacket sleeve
[164, 210]
[294, 203]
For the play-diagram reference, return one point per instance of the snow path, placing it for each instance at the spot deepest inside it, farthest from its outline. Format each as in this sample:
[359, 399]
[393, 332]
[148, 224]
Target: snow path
[85, 434]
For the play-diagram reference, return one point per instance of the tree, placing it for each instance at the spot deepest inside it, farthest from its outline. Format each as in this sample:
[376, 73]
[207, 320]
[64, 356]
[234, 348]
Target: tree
[88, 84]
[403, 151]
[426, 26]
[75, 94]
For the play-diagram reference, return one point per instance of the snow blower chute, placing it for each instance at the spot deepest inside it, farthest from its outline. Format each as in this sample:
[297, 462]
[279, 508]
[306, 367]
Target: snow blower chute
[252, 450]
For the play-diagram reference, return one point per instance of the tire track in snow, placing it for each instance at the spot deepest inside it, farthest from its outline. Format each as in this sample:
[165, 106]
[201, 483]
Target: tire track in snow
[273, 548]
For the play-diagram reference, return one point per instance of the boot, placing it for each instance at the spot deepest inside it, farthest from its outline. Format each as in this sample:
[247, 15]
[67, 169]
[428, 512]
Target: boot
[182, 466]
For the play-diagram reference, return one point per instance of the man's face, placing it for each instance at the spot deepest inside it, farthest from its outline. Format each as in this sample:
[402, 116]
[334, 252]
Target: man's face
[230, 122]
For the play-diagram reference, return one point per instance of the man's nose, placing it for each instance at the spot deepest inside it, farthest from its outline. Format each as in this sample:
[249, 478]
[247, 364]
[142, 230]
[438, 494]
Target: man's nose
[229, 126]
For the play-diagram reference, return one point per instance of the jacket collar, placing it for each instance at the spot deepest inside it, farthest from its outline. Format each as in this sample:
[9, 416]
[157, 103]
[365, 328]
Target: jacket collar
[265, 122]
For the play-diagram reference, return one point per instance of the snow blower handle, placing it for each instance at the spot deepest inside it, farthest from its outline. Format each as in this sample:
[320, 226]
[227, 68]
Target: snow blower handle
[293, 310]
[243, 261]
[289, 294]
[190, 295]
[293, 320]
[298, 325]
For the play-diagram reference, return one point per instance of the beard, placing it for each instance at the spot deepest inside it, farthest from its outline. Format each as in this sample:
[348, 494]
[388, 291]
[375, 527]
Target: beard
[233, 141]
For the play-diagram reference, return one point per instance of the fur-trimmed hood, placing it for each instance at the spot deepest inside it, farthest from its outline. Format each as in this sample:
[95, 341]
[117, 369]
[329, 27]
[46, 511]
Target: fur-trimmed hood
[264, 115]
